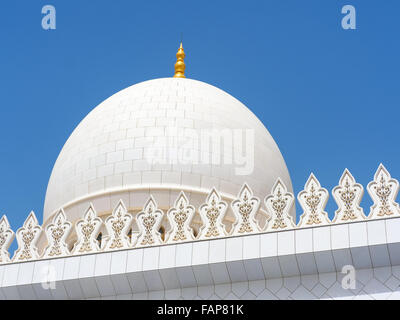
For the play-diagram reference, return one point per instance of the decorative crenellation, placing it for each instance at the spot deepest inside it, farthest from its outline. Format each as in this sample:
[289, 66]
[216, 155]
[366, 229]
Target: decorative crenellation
[118, 225]
[87, 230]
[245, 208]
[383, 191]
[212, 214]
[180, 217]
[348, 195]
[313, 200]
[57, 233]
[6, 237]
[27, 238]
[278, 204]
[149, 222]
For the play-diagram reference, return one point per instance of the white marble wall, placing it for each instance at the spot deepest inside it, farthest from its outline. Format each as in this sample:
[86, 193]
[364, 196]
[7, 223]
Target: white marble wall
[294, 264]
[371, 284]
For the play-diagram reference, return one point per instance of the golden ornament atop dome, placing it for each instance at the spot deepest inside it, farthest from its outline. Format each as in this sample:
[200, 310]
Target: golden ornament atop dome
[180, 63]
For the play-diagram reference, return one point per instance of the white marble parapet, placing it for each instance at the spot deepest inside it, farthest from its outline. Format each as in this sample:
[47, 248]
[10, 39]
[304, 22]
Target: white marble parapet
[298, 252]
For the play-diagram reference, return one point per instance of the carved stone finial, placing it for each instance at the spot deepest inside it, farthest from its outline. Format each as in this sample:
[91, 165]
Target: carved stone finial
[27, 237]
[57, 233]
[278, 205]
[87, 230]
[212, 214]
[6, 238]
[180, 217]
[313, 200]
[118, 224]
[149, 222]
[383, 191]
[348, 195]
[245, 209]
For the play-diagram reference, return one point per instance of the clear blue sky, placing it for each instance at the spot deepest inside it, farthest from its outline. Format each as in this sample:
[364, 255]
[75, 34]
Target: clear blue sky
[330, 97]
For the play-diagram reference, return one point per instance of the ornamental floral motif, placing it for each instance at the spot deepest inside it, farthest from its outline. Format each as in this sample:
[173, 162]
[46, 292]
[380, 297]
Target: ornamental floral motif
[87, 230]
[313, 200]
[383, 191]
[212, 214]
[149, 222]
[245, 209]
[6, 237]
[180, 217]
[279, 204]
[27, 237]
[57, 233]
[118, 225]
[348, 195]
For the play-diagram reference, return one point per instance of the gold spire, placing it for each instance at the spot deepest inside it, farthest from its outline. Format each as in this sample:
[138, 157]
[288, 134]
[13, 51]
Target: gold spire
[180, 64]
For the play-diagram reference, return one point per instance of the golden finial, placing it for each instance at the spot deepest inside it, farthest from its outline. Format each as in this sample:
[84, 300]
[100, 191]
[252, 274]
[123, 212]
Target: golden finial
[180, 64]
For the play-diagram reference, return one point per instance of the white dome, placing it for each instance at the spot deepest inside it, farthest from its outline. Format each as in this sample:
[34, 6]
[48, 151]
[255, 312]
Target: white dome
[111, 155]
